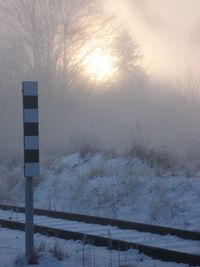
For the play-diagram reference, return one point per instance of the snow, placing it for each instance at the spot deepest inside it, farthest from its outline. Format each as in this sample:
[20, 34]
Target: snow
[119, 187]
[167, 241]
[74, 254]
[105, 185]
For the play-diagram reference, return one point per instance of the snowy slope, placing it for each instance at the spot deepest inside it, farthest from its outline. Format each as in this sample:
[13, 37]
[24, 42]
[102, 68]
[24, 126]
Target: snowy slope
[100, 184]
[113, 186]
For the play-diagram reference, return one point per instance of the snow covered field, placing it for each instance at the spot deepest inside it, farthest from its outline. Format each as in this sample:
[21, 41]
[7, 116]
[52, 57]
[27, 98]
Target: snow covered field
[154, 240]
[104, 185]
[119, 187]
[54, 252]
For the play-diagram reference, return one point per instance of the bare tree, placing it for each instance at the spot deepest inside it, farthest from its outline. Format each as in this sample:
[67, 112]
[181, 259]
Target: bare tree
[49, 31]
[42, 39]
[52, 32]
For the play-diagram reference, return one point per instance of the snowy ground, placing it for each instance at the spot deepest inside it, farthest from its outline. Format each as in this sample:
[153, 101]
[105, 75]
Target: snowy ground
[104, 185]
[69, 253]
[167, 241]
[118, 187]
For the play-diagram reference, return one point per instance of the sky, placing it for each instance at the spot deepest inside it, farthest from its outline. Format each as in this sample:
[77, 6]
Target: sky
[115, 115]
[167, 31]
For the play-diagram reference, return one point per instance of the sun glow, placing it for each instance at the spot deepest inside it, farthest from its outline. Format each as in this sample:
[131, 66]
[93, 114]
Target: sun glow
[100, 65]
[98, 61]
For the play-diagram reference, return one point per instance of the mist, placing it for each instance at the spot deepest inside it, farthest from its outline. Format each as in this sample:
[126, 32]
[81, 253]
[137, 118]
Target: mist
[146, 105]
[168, 32]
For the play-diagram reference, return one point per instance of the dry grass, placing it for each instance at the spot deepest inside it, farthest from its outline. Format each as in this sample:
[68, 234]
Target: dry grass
[32, 260]
[161, 159]
[57, 251]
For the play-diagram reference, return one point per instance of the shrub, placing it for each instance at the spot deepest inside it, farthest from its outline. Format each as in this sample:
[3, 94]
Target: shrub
[159, 158]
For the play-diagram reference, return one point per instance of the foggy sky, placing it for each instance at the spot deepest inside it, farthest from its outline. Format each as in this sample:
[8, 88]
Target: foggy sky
[135, 110]
[168, 32]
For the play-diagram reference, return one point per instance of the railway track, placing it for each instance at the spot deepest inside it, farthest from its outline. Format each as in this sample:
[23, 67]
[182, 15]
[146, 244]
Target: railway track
[175, 245]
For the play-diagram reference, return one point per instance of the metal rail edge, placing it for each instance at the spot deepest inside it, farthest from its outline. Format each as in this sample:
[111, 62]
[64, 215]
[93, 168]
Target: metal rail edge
[141, 227]
[154, 252]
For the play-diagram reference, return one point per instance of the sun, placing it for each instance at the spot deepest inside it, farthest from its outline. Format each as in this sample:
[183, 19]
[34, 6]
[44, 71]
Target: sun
[100, 65]
[98, 62]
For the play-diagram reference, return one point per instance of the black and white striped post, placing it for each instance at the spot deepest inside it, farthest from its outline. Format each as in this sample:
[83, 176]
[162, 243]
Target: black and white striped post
[31, 156]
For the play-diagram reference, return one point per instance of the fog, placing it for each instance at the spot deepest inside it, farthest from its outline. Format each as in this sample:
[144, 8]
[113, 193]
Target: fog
[149, 104]
[168, 32]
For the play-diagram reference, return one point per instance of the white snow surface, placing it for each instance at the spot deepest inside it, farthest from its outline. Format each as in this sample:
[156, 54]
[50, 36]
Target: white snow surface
[74, 254]
[103, 185]
[168, 241]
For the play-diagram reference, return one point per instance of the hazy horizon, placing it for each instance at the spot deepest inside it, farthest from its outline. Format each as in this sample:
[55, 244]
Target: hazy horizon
[109, 82]
[168, 32]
